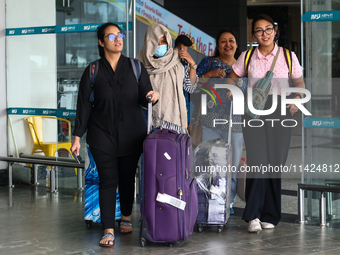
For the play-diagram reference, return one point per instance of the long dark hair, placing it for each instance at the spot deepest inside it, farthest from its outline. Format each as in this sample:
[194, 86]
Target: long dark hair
[101, 34]
[218, 36]
[269, 19]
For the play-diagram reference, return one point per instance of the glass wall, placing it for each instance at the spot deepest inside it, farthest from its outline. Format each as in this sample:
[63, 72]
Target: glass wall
[76, 50]
[49, 44]
[322, 130]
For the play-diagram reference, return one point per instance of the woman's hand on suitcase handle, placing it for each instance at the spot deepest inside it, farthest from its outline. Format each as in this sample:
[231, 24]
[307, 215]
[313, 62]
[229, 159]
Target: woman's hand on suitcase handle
[154, 96]
[230, 95]
[292, 108]
[76, 145]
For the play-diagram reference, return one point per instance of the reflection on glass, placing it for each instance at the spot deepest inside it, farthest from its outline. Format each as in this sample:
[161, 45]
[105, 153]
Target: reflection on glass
[75, 51]
[84, 11]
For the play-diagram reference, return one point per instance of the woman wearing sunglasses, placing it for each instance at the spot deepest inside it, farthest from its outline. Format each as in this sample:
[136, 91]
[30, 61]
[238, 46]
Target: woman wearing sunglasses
[267, 145]
[115, 126]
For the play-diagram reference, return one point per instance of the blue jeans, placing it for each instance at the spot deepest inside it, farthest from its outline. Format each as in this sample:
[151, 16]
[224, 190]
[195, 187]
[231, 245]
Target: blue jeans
[237, 147]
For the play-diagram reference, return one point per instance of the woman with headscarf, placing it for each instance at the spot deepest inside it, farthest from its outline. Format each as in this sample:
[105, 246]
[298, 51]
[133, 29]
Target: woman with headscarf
[168, 76]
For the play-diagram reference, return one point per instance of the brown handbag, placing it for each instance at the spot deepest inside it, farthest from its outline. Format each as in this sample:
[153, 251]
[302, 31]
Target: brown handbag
[195, 126]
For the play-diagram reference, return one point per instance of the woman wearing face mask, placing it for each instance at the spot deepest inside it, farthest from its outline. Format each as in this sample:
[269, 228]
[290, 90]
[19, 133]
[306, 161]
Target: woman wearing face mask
[267, 145]
[168, 77]
[212, 70]
[115, 126]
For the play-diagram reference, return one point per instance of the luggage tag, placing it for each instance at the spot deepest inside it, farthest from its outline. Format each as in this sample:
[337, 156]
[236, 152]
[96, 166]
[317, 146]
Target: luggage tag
[167, 156]
[217, 191]
[175, 202]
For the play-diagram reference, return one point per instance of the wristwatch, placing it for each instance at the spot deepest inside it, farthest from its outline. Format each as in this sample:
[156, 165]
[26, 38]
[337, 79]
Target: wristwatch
[299, 95]
[193, 67]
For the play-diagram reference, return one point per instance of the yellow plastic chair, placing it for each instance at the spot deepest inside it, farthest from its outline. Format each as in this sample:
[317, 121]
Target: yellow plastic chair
[35, 124]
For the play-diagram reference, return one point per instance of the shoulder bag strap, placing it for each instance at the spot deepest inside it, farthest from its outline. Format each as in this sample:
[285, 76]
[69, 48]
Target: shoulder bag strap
[211, 58]
[275, 59]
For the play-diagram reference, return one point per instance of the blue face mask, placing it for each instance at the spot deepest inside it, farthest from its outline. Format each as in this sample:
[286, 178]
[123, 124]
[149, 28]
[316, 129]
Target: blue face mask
[161, 50]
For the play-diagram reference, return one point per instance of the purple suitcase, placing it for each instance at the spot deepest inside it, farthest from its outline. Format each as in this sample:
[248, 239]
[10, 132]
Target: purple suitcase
[167, 170]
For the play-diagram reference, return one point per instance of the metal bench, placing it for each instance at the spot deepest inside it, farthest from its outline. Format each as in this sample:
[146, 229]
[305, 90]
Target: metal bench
[322, 200]
[47, 161]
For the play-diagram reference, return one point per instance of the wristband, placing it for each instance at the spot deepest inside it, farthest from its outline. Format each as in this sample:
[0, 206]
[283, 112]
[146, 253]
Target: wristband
[299, 95]
[204, 78]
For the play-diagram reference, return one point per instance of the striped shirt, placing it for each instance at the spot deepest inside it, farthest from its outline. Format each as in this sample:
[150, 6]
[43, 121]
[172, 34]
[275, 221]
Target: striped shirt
[187, 85]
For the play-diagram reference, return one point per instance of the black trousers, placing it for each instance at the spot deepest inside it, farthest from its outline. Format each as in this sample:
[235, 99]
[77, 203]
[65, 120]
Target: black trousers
[266, 146]
[115, 171]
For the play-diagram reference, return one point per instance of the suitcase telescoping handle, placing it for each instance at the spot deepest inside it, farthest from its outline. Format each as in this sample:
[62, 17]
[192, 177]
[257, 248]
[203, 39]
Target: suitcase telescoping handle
[230, 119]
[149, 115]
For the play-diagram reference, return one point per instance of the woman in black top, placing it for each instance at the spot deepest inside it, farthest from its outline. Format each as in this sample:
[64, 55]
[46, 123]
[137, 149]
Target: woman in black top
[115, 125]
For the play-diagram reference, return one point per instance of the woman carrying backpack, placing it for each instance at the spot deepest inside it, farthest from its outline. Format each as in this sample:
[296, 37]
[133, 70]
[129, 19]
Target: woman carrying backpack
[267, 145]
[115, 125]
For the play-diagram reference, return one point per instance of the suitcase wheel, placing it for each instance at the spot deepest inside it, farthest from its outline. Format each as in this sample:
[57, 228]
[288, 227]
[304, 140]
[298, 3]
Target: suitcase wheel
[170, 244]
[142, 241]
[219, 229]
[88, 223]
[199, 228]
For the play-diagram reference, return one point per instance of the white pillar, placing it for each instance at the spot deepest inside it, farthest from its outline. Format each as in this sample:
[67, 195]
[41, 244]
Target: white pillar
[3, 102]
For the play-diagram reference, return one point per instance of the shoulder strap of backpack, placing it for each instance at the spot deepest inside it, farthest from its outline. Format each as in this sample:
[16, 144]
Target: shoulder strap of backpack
[136, 67]
[94, 66]
[288, 57]
[247, 58]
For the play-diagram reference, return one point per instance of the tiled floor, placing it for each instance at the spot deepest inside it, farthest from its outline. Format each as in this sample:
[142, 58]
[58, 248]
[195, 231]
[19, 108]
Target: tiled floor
[34, 221]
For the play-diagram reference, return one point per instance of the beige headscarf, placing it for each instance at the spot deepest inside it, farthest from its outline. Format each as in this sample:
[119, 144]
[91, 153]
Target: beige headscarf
[166, 76]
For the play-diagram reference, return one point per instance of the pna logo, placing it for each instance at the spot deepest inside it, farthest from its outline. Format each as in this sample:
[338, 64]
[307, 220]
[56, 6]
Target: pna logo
[24, 31]
[25, 111]
[11, 32]
[87, 27]
[317, 123]
[65, 113]
[15, 111]
[45, 112]
[316, 16]
[64, 29]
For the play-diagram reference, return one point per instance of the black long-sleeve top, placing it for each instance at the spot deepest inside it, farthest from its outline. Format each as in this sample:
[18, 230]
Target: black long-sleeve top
[114, 121]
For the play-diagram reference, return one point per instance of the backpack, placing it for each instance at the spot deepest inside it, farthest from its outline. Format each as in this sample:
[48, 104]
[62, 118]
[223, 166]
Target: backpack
[94, 67]
[287, 54]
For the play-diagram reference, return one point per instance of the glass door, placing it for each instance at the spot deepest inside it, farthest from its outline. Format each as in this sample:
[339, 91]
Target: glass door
[322, 129]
